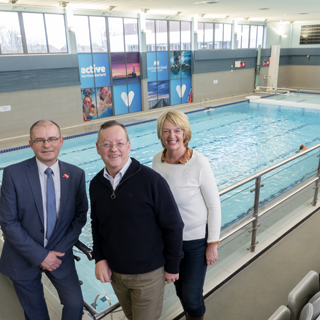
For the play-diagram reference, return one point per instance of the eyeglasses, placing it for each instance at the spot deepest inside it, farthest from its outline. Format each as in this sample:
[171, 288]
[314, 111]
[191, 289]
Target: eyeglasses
[43, 141]
[108, 145]
[87, 102]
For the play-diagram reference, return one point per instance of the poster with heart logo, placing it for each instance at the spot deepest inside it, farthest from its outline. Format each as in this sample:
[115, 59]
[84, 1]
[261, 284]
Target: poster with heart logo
[180, 91]
[127, 98]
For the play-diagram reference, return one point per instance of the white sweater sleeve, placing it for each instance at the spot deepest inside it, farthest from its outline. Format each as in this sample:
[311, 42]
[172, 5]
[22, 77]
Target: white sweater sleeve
[211, 198]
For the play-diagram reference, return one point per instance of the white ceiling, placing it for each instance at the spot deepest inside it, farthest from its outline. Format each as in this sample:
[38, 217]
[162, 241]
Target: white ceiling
[255, 10]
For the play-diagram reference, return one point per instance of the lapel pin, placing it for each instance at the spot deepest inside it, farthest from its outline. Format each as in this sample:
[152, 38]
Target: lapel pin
[65, 176]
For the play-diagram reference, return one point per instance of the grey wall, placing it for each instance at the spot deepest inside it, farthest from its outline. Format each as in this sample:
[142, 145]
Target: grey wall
[62, 105]
[27, 72]
[39, 87]
[229, 84]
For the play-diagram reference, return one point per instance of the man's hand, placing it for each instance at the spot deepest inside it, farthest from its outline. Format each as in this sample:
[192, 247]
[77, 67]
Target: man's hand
[211, 254]
[171, 277]
[52, 261]
[102, 271]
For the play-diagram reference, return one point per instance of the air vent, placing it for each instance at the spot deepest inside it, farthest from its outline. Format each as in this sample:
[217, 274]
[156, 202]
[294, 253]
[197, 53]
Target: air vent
[310, 34]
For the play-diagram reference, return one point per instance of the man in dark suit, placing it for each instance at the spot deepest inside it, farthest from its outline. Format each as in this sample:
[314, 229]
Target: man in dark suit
[43, 207]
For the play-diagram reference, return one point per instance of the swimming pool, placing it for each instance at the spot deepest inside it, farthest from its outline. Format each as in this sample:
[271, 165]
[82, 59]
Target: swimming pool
[300, 97]
[239, 140]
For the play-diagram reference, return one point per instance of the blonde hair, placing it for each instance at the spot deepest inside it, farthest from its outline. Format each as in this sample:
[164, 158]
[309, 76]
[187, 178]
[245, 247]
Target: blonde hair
[179, 120]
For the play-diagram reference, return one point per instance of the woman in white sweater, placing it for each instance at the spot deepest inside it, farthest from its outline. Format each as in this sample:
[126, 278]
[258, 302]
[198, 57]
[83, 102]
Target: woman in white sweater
[192, 183]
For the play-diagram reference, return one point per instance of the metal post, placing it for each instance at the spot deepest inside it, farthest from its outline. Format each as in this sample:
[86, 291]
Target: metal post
[255, 214]
[315, 198]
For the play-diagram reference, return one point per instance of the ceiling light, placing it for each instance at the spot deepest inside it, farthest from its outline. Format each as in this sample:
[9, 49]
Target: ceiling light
[111, 8]
[264, 9]
[145, 10]
[178, 12]
[207, 2]
[202, 15]
[13, 1]
[246, 18]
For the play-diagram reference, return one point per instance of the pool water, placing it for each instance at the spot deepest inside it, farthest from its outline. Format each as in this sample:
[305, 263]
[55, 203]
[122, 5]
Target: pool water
[238, 140]
[297, 97]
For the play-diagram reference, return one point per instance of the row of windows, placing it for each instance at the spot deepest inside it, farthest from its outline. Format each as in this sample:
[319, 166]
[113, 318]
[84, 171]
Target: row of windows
[157, 35]
[46, 33]
[32, 33]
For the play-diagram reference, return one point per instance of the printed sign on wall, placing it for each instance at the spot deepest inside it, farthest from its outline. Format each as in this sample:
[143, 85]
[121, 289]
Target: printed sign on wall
[127, 98]
[180, 91]
[157, 64]
[180, 64]
[94, 70]
[133, 67]
[89, 109]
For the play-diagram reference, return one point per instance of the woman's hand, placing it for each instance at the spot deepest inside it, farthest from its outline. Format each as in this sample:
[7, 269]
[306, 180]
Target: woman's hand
[171, 277]
[211, 254]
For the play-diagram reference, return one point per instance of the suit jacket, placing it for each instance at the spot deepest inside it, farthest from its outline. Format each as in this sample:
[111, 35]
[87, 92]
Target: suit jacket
[21, 219]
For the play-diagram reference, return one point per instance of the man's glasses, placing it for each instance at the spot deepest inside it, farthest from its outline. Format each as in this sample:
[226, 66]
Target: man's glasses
[109, 145]
[43, 141]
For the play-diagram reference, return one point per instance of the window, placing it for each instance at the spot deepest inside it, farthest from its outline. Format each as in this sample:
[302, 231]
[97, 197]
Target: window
[150, 35]
[245, 37]
[174, 34]
[260, 36]
[98, 34]
[208, 36]
[249, 36]
[161, 35]
[131, 34]
[35, 32]
[227, 36]
[200, 35]
[10, 36]
[253, 37]
[116, 34]
[218, 35]
[185, 35]
[82, 33]
[56, 33]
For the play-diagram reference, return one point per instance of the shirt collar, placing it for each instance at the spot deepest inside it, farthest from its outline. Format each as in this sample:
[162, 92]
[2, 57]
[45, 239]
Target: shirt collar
[121, 172]
[183, 160]
[42, 167]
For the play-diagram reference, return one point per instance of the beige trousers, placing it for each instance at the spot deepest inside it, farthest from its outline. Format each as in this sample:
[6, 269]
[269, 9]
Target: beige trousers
[140, 295]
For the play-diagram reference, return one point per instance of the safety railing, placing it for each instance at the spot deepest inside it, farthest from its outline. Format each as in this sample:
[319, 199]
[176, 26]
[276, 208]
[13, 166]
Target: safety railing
[256, 209]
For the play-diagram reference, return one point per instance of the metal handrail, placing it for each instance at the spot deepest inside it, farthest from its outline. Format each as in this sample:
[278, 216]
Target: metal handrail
[263, 172]
[254, 219]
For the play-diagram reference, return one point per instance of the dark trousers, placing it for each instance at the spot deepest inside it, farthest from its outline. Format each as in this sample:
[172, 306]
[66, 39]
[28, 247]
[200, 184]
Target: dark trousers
[31, 297]
[192, 273]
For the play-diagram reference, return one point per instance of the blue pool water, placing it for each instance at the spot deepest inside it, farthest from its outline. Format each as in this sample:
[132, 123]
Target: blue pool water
[297, 97]
[239, 140]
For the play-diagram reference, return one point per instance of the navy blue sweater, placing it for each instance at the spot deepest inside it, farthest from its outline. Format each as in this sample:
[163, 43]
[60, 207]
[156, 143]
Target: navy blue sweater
[140, 230]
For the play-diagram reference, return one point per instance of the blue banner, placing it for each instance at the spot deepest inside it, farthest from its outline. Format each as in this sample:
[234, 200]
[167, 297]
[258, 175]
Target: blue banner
[134, 97]
[175, 88]
[162, 66]
[96, 65]
[101, 69]
[185, 61]
[120, 98]
[152, 66]
[186, 90]
[86, 70]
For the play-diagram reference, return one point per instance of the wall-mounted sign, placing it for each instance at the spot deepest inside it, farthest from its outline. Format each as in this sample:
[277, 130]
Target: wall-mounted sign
[5, 108]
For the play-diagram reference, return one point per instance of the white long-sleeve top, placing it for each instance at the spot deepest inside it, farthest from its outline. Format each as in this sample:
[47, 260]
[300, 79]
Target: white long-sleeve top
[195, 190]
